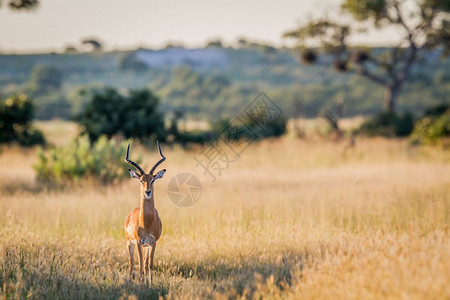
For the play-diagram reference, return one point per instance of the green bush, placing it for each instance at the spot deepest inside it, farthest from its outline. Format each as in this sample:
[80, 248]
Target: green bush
[274, 127]
[436, 111]
[432, 130]
[16, 115]
[31, 137]
[257, 127]
[82, 160]
[388, 124]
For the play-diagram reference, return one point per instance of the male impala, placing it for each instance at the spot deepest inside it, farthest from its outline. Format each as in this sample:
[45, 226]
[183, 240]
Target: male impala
[143, 225]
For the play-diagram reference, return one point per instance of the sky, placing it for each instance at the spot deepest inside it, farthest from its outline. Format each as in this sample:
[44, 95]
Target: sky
[128, 24]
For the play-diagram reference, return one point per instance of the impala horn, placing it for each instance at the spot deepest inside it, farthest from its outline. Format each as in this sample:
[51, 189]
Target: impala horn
[163, 158]
[128, 161]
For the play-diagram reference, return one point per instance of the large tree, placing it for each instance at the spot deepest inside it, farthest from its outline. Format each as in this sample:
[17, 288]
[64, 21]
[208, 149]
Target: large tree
[423, 24]
[134, 115]
[21, 4]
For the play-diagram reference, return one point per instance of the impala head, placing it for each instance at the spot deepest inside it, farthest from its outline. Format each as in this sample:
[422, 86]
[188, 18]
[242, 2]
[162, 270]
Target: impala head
[146, 179]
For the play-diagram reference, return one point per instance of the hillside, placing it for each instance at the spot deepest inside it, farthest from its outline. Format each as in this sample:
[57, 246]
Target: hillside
[212, 82]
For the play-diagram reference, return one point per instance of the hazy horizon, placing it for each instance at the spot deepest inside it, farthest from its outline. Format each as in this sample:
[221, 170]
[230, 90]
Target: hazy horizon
[132, 24]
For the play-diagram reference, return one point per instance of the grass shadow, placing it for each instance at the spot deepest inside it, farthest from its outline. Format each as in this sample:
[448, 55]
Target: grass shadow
[58, 286]
[10, 188]
[241, 274]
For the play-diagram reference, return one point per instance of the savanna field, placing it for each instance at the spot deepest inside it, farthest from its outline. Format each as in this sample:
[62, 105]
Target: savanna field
[292, 219]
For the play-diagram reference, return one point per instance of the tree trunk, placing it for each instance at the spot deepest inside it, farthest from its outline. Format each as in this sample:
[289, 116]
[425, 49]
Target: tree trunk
[390, 98]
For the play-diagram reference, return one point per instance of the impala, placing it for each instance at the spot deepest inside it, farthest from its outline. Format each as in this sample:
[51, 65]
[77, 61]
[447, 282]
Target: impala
[143, 225]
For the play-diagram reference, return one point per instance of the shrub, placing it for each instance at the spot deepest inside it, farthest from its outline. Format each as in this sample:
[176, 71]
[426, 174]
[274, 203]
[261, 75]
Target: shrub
[273, 128]
[257, 127]
[432, 130]
[196, 136]
[16, 114]
[438, 110]
[101, 160]
[31, 137]
[388, 124]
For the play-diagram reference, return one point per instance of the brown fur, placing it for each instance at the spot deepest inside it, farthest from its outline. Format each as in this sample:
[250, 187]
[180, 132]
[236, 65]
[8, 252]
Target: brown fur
[141, 224]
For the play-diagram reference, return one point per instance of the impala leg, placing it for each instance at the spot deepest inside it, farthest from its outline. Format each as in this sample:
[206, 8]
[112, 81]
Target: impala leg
[130, 247]
[141, 261]
[147, 260]
[152, 254]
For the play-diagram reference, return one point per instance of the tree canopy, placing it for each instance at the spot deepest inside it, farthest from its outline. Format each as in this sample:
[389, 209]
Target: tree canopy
[21, 4]
[134, 115]
[16, 115]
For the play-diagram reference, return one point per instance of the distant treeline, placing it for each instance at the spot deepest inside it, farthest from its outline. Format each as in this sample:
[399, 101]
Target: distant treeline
[211, 82]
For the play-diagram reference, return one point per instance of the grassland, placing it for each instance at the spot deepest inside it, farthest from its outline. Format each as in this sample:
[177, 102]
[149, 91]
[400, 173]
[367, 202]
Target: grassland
[298, 219]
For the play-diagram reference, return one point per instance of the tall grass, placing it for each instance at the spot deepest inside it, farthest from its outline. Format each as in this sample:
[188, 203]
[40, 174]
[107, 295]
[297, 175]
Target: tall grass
[290, 219]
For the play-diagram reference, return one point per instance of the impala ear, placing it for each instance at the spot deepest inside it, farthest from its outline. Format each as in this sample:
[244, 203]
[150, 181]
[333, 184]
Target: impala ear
[133, 174]
[160, 174]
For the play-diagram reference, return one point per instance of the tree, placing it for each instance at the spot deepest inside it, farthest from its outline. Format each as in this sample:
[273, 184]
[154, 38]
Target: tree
[22, 4]
[242, 42]
[16, 114]
[217, 43]
[332, 116]
[134, 115]
[424, 24]
[94, 43]
[70, 49]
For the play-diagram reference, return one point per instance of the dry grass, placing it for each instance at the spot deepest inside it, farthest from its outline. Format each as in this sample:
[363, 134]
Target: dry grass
[290, 219]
